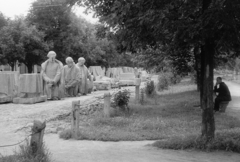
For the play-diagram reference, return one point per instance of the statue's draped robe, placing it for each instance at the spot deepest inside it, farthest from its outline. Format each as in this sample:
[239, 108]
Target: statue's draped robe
[72, 79]
[84, 75]
[52, 72]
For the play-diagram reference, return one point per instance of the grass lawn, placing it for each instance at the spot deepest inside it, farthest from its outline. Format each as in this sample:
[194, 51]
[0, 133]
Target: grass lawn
[173, 118]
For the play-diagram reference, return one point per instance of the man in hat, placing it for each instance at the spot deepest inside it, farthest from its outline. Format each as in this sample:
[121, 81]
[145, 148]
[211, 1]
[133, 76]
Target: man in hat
[223, 93]
[71, 74]
[84, 75]
[51, 73]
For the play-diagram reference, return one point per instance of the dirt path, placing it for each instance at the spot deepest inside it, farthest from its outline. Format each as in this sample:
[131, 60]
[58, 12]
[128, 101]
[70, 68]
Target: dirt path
[14, 116]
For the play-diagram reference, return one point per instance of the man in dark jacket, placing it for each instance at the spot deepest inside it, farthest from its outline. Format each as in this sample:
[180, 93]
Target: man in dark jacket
[223, 93]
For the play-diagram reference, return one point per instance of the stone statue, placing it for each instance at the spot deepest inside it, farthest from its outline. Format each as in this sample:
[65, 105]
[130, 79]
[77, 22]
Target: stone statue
[71, 74]
[51, 73]
[84, 75]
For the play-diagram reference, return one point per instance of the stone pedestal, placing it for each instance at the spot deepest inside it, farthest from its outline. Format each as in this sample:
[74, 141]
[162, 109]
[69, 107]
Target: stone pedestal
[5, 99]
[30, 89]
[102, 85]
[8, 86]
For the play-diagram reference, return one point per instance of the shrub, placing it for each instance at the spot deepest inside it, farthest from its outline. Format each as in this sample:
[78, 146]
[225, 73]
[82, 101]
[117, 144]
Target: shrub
[66, 134]
[163, 82]
[166, 79]
[150, 89]
[175, 79]
[121, 99]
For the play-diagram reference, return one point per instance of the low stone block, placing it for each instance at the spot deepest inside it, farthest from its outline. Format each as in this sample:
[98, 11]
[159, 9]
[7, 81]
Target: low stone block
[32, 100]
[102, 85]
[5, 99]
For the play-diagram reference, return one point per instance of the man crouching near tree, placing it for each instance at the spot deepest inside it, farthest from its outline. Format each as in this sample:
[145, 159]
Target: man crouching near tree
[222, 92]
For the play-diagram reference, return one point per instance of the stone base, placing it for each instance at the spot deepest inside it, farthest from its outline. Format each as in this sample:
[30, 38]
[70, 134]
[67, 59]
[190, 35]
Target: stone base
[32, 100]
[102, 85]
[5, 99]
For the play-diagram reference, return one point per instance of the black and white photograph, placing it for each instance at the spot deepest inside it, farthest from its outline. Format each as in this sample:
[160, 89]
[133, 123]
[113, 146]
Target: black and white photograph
[119, 80]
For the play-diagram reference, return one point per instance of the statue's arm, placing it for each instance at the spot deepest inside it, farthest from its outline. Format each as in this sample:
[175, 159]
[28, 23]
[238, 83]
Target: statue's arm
[89, 75]
[44, 75]
[58, 74]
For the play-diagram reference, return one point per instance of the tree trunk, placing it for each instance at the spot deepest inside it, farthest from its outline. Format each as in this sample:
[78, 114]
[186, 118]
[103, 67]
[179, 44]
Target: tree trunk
[197, 67]
[29, 67]
[12, 66]
[201, 75]
[208, 124]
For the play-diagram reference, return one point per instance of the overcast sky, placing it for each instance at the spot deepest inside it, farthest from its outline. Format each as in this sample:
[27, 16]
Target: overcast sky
[12, 8]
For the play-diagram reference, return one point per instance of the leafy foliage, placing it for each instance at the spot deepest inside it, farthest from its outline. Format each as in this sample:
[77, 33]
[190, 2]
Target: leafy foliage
[121, 99]
[150, 89]
[21, 42]
[163, 82]
[167, 78]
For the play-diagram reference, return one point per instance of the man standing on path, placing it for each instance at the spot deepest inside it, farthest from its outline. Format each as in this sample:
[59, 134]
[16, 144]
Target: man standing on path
[223, 93]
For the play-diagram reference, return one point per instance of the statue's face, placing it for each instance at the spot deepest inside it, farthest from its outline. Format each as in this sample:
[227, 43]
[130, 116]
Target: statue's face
[51, 59]
[81, 62]
[69, 64]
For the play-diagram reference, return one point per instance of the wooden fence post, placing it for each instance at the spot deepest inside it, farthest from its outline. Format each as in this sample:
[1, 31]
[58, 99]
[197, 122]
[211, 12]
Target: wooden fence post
[75, 118]
[37, 136]
[107, 102]
[137, 91]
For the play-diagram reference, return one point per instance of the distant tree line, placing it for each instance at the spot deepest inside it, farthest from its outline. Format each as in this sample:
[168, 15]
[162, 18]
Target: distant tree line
[54, 26]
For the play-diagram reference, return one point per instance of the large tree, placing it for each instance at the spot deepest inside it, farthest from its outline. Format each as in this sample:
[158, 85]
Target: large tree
[3, 22]
[208, 25]
[54, 19]
[23, 43]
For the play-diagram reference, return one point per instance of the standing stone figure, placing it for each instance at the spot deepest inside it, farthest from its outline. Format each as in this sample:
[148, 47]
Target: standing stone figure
[71, 74]
[51, 73]
[84, 75]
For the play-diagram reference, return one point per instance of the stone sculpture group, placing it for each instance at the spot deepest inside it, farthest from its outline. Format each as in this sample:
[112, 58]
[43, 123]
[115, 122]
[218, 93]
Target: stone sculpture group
[58, 81]
[69, 80]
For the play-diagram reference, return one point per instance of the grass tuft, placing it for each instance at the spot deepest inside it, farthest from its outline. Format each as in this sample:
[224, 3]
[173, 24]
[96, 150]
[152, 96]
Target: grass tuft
[24, 155]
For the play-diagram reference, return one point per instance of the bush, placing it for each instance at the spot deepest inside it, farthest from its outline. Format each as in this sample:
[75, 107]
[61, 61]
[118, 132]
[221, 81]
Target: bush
[66, 134]
[166, 79]
[150, 89]
[163, 82]
[121, 99]
[175, 79]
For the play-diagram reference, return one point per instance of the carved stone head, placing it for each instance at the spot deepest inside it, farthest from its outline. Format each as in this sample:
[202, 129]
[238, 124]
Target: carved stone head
[69, 62]
[51, 56]
[81, 61]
